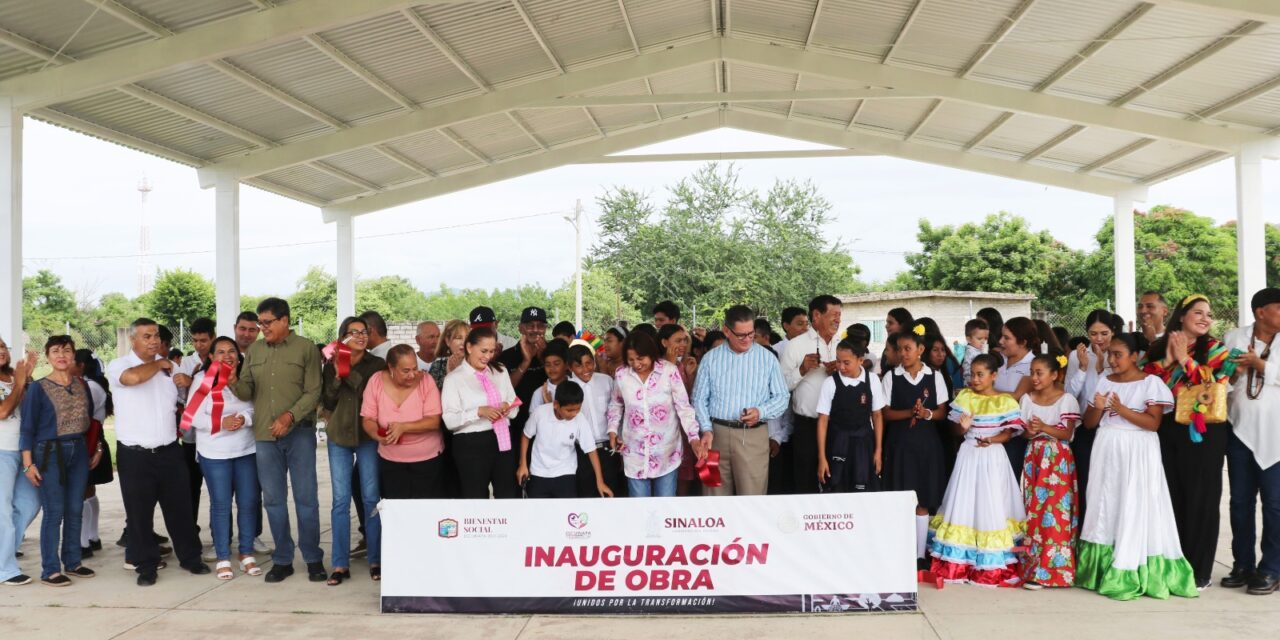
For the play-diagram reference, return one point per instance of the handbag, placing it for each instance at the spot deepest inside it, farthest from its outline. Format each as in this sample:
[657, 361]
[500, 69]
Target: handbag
[1208, 399]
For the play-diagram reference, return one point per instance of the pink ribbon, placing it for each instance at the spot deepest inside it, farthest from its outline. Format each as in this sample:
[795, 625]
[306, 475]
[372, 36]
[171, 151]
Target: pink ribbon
[215, 380]
[501, 427]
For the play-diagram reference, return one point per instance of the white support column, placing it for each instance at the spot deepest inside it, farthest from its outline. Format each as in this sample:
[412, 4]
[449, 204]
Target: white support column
[346, 266]
[1251, 269]
[227, 251]
[1125, 262]
[11, 227]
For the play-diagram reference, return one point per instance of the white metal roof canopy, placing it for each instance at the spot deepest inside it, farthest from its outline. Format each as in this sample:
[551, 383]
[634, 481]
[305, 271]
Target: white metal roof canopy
[360, 105]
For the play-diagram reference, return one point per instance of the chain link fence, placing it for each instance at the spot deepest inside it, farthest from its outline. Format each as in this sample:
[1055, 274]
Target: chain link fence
[105, 343]
[1226, 319]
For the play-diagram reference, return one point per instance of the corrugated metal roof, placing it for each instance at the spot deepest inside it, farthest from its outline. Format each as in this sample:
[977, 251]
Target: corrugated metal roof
[490, 39]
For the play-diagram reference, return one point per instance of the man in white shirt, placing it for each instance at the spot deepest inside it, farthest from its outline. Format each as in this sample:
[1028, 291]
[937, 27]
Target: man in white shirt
[1253, 452]
[148, 457]
[795, 321]
[1153, 313]
[810, 359]
[378, 343]
[428, 339]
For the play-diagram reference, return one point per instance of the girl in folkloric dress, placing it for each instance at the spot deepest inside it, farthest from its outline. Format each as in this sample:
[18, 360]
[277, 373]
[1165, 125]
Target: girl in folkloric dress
[1049, 477]
[1129, 544]
[981, 518]
[651, 411]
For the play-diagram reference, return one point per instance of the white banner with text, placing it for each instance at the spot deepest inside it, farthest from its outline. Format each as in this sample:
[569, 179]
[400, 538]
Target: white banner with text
[801, 553]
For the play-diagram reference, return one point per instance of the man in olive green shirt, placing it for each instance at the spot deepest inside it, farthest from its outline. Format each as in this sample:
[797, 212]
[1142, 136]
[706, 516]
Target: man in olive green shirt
[281, 376]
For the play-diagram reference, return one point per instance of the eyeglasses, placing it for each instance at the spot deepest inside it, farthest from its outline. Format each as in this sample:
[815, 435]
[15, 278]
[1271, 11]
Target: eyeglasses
[741, 336]
[357, 333]
[266, 322]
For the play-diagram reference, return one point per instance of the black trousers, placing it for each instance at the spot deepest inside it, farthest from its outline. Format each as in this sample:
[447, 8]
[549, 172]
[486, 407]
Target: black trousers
[782, 480]
[1082, 447]
[804, 454]
[155, 477]
[1016, 449]
[610, 472]
[481, 466]
[1194, 473]
[557, 487]
[409, 480]
[195, 478]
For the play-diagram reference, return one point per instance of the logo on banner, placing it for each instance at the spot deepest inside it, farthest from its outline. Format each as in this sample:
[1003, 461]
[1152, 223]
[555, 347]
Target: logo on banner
[578, 521]
[448, 528]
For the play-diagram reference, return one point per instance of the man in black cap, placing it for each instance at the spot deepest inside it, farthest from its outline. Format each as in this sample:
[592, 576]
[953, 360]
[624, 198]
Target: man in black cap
[524, 363]
[481, 317]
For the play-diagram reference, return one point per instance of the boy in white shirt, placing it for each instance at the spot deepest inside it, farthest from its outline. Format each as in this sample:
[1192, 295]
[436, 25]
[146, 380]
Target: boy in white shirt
[597, 391]
[556, 430]
[975, 336]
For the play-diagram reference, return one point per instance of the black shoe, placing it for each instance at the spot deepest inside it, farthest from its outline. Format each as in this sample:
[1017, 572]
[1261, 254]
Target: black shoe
[160, 539]
[56, 581]
[1263, 584]
[146, 579]
[123, 541]
[1202, 584]
[17, 581]
[198, 569]
[279, 572]
[361, 550]
[19, 554]
[96, 545]
[1237, 578]
[86, 552]
[165, 551]
[315, 572]
[924, 564]
[81, 572]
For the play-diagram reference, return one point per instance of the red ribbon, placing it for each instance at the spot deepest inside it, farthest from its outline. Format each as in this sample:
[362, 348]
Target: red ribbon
[340, 354]
[709, 469]
[215, 380]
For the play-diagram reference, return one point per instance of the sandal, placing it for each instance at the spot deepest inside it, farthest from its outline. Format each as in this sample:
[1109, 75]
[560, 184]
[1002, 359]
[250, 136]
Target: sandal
[223, 569]
[337, 577]
[375, 572]
[250, 566]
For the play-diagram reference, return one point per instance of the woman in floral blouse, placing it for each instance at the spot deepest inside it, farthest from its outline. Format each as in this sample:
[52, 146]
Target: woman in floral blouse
[650, 408]
[1193, 457]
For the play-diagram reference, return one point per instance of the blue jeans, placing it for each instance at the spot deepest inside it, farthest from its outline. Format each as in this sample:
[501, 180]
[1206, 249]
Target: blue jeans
[224, 478]
[19, 503]
[1247, 480]
[661, 487]
[291, 459]
[341, 462]
[63, 502]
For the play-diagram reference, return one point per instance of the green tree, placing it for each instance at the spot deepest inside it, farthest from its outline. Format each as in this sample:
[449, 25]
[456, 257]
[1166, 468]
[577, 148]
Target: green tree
[714, 244]
[392, 296]
[315, 303]
[602, 303]
[98, 323]
[47, 304]
[180, 295]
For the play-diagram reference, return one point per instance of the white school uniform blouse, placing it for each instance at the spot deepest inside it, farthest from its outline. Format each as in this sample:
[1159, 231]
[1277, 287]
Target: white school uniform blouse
[1257, 422]
[828, 392]
[463, 394]
[223, 445]
[554, 441]
[939, 383]
[99, 397]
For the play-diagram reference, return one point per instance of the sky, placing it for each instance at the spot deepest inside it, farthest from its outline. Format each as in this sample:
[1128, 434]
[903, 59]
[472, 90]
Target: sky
[82, 214]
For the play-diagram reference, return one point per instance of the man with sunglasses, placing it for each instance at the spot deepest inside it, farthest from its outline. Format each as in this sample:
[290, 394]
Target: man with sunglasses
[738, 391]
[281, 376]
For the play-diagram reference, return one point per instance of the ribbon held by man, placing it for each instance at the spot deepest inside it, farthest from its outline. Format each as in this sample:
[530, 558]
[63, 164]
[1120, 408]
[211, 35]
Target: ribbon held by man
[215, 381]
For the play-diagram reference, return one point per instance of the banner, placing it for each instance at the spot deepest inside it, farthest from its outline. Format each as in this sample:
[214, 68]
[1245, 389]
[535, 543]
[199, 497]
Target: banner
[802, 553]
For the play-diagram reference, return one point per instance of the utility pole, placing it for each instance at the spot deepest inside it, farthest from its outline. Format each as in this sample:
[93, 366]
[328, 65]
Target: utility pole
[576, 221]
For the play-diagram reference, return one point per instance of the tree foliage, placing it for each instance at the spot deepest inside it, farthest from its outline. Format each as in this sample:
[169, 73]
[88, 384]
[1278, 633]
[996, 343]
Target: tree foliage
[714, 244]
[47, 304]
[180, 295]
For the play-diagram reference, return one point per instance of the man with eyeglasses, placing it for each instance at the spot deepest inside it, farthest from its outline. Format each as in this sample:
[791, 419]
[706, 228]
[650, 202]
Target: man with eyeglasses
[524, 363]
[738, 391]
[281, 376]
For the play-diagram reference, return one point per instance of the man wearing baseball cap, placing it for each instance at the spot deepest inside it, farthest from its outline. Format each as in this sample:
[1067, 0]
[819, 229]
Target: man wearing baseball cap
[482, 317]
[1253, 452]
[524, 363]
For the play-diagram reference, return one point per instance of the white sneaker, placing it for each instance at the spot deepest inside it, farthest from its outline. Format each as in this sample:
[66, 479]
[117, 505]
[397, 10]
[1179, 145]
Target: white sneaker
[209, 554]
[260, 547]
[130, 567]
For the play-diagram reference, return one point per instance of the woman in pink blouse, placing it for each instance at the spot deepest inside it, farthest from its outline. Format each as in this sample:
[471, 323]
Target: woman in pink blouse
[401, 410]
[651, 407]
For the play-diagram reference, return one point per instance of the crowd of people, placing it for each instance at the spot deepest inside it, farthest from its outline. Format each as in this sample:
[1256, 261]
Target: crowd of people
[1107, 474]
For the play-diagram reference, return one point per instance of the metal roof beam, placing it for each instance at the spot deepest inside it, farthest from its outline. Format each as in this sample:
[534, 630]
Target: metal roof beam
[737, 96]
[1185, 167]
[996, 38]
[1240, 98]
[360, 71]
[902, 31]
[773, 124]
[928, 115]
[120, 138]
[571, 153]
[390, 128]
[1053, 142]
[238, 74]
[1263, 10]
[430, 34]
[345, 176]
[238, 34]
[465, 146]
[195, 115]
[537, 35]
[989, 95]
[728, 155]
[528, 131]
[132, 18]
[1122, 152]
[32, 48]
[403, 160]
[626, 21]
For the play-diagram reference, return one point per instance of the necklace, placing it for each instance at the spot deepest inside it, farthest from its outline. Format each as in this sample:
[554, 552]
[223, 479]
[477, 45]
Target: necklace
[1254, 383]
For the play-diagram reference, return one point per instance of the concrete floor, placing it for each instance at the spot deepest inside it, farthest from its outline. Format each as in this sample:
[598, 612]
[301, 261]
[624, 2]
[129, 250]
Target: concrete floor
[186, 606]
